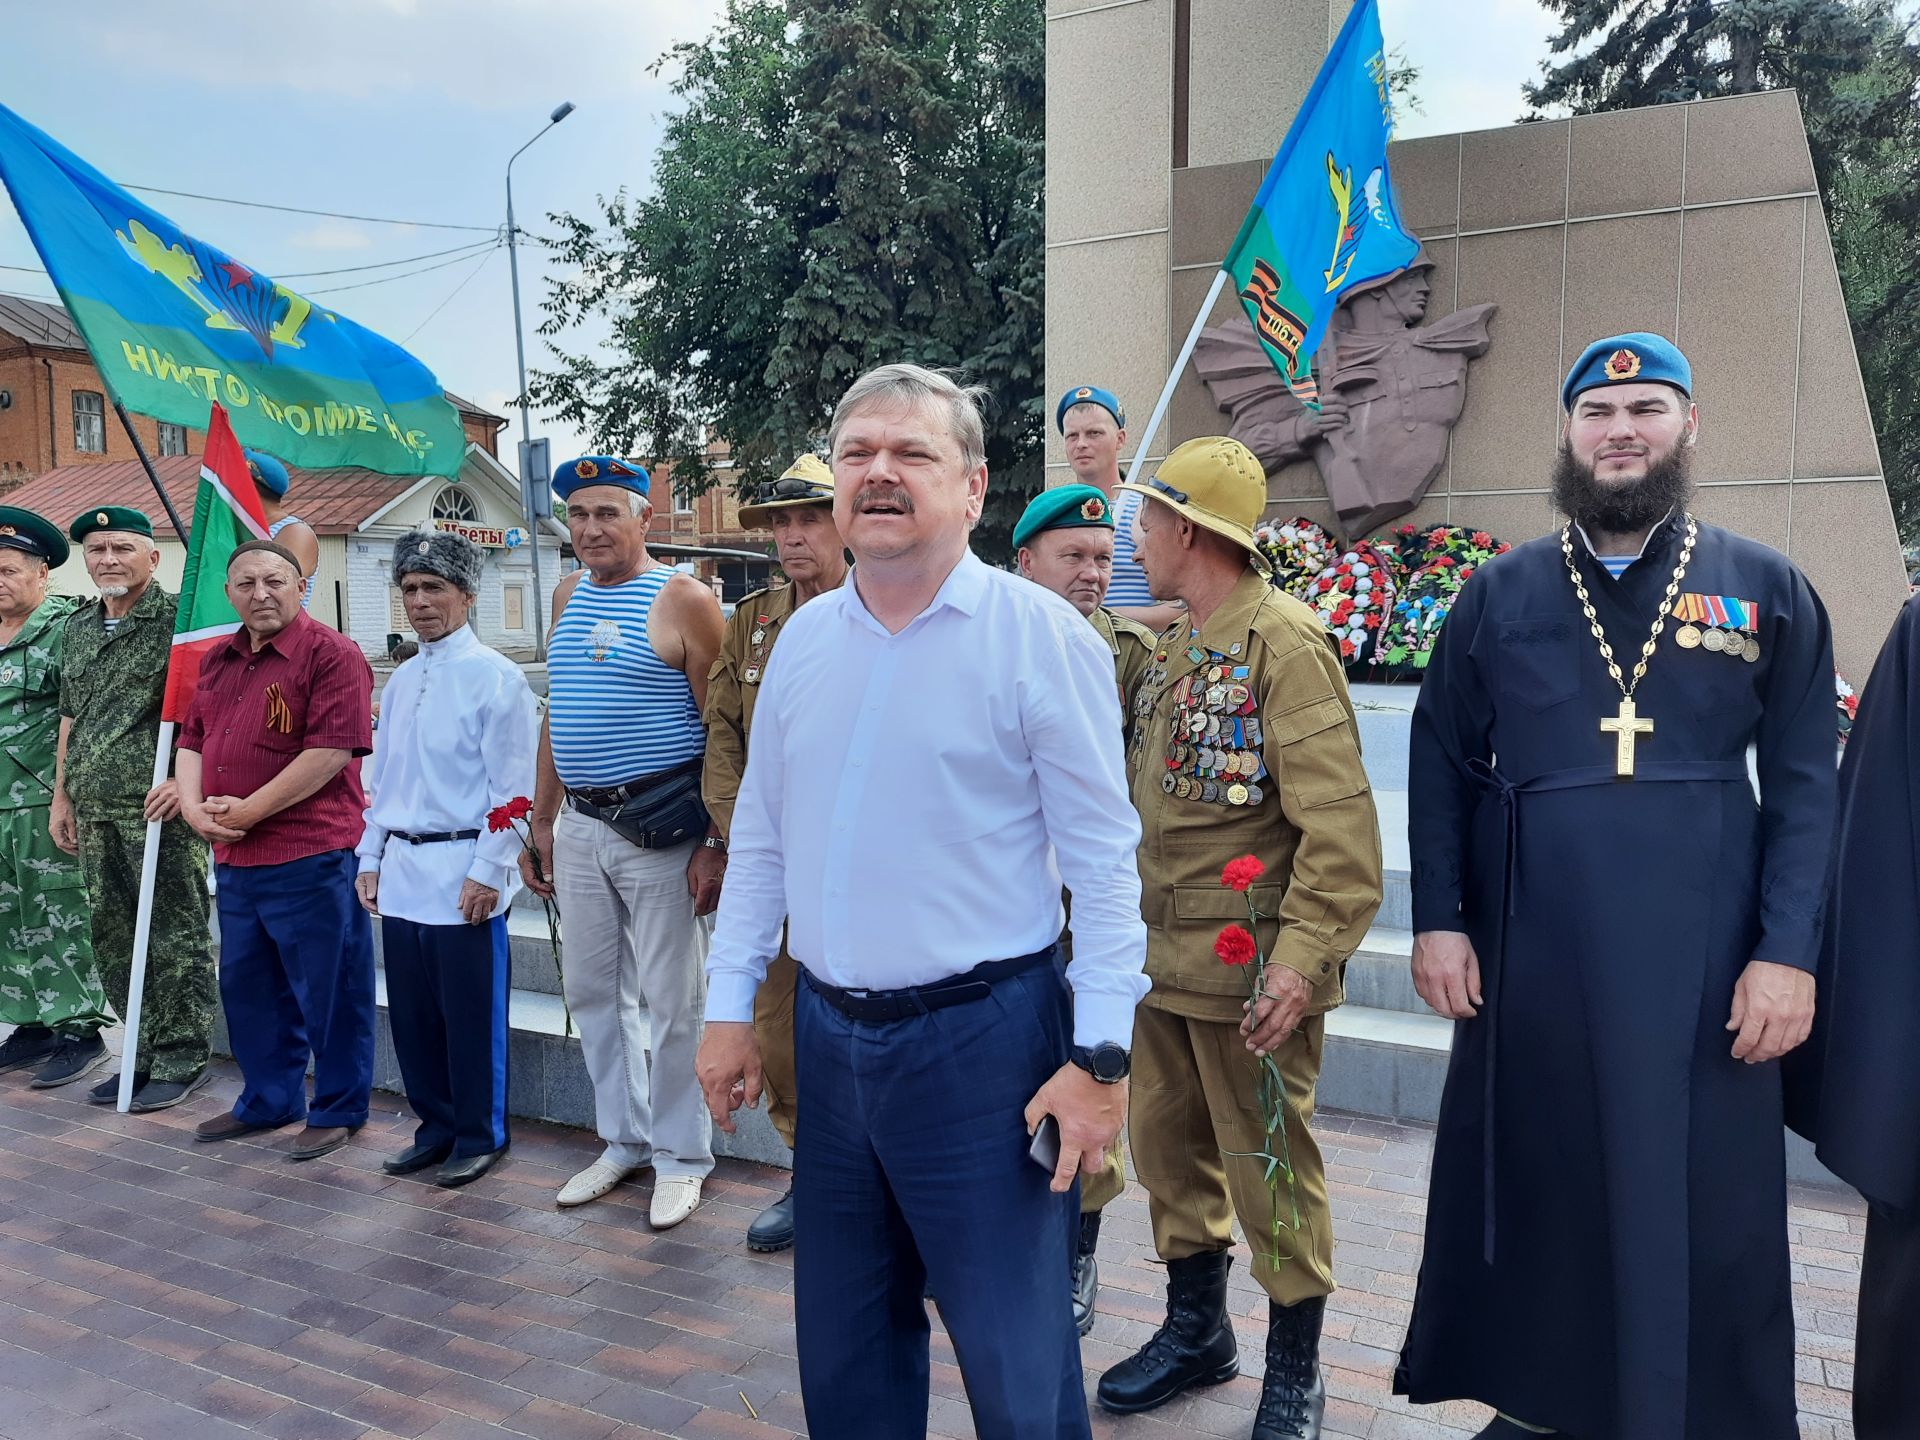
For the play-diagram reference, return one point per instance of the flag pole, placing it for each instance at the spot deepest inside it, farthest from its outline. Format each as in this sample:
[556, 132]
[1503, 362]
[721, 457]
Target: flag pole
[162, 756]
[143, 924]
[126, 423]
[1186, 353]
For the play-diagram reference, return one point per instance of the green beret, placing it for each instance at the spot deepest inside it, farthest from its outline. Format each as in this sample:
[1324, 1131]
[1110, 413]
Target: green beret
[110, 517]
[24, 530]
[1065, 507]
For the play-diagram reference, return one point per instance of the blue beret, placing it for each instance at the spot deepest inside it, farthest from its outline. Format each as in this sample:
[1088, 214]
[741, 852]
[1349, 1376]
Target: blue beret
[1066, 507]
[1088, 395]
[600, 470]
[268, 473]
[1638, 358]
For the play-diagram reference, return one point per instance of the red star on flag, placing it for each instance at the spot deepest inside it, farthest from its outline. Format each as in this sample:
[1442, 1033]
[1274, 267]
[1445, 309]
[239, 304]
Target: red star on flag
[236, 274]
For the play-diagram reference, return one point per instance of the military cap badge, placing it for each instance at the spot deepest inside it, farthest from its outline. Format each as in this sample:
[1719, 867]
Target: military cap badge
[1094, 509]
[1083, 393]
[585, 469]
[8, 530]
[425, 546]
[1623, 365]
[614, 467]
[100, 517]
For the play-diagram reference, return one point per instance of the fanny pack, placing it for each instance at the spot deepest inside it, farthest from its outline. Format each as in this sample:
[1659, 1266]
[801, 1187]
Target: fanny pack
[657, 811]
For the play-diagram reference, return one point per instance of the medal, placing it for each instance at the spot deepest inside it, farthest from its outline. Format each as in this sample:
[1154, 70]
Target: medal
[1167, 782]
[1750, 652]
[1627, 726]
[1209, 791]
[759, 637]
[1236, 794]
[751, 674]
[1687, 637]
[1736, 643]
[1715, 640]
[1255, 794]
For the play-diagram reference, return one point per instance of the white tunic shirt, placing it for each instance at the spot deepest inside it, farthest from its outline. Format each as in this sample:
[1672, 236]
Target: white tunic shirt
[457, 737]
[912, 802]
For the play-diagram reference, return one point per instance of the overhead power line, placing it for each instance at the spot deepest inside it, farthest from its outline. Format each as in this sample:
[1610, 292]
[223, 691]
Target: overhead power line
[300, 210]
[468, 280]
[472, 248]
[404, 275]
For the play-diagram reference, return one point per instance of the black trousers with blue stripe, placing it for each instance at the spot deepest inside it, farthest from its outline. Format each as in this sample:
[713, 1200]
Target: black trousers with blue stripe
[447, 1002]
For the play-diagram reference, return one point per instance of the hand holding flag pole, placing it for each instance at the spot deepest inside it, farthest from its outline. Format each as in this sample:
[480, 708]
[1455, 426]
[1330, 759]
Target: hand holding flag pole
[1324, 219]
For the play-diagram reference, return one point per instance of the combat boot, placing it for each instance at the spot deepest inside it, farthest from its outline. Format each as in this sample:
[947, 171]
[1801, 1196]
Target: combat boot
[1195, 1345]
[1084, 1272]
[1293, 1396]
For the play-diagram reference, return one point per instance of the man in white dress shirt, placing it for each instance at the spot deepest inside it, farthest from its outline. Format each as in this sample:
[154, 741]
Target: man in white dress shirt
[456, 742]
[936, 748]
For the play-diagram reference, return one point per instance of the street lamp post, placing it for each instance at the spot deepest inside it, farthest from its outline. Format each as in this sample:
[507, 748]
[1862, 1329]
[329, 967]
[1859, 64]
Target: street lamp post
[561, 111]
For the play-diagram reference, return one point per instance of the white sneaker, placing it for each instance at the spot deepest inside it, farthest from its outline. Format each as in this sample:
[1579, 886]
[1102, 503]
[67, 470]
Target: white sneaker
[593, 1182]
[674, 1199]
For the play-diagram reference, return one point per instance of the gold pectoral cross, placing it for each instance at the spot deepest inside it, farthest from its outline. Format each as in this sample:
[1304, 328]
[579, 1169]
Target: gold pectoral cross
[1626, 727]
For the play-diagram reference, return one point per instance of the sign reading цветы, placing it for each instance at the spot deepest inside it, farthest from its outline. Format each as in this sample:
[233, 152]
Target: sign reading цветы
[488, 537]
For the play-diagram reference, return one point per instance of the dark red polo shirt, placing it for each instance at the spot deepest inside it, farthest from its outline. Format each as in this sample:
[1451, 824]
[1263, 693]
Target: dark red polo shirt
[254, 711]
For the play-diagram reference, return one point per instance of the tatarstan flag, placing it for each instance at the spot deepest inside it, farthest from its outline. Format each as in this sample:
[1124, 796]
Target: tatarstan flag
[226, 514]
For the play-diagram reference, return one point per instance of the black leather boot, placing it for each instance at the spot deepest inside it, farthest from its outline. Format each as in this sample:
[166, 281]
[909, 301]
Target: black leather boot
[1194, 1346]
[773, 1229]
[1086, 1272]
[1293, 1396]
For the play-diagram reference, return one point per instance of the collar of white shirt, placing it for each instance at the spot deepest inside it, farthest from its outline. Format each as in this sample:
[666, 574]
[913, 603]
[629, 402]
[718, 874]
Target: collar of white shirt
[454, 642]
[962, 590]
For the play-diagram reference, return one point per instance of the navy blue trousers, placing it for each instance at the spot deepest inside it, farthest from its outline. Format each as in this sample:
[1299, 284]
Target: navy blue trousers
[447, 1005]
[296, 981]
[912, 1167]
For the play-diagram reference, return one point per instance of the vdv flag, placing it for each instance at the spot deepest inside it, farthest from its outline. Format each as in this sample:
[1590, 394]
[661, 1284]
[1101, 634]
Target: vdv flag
[174, 324]
[1325, 218]
[226, 514]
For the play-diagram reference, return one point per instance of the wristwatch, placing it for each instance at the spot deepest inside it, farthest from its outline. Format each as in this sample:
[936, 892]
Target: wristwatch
[1105, 1062]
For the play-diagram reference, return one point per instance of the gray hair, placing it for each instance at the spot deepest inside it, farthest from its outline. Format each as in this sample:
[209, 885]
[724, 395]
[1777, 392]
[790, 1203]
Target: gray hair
[637, 503]
[916, 385]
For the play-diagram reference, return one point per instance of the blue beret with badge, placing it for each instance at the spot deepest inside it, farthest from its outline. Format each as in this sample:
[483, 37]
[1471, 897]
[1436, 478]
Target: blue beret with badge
[268, 473]
[600, 470]
[1637, 358]
[1089, 395]
[1065, 507]
[39, 537]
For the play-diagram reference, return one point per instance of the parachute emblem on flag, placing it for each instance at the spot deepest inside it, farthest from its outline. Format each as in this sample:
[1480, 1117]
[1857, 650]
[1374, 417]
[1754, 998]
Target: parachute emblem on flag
[240, 300]
[1353, 214]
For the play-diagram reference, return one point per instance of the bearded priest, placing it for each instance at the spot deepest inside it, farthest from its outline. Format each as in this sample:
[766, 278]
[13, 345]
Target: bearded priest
[1626, 939]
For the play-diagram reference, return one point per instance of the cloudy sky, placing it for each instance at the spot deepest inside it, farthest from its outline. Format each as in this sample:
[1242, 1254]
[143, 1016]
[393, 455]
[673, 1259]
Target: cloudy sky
[408, 109]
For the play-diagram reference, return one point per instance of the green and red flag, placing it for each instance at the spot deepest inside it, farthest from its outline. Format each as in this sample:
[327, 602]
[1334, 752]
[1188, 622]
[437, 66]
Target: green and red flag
[1325, 218]
[226, 514]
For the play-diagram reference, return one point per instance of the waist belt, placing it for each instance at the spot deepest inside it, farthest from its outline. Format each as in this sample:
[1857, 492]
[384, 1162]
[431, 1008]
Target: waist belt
[1508, 792]
[606, 797]
[881, 1007]
[436, 838]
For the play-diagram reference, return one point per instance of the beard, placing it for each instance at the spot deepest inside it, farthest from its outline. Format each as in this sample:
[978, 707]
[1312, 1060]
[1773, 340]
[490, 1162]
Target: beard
[114, 592]
[1623, 507]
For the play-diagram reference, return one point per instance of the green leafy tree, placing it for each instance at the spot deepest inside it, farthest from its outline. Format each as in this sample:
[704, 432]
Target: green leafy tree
[1856, 68]
[846, 183]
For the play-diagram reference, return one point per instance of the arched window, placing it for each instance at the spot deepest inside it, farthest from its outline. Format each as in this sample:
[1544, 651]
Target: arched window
[453, 503]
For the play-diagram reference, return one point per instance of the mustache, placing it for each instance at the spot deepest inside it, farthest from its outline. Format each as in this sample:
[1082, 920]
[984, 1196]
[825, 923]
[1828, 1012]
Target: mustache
[870, 497]
[1623, 506]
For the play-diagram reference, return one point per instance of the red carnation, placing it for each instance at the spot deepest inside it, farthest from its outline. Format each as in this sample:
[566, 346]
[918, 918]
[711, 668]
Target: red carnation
[1348, 650]
[1235, 946]
[1437, 535]
[1465, 571]
[1241, 873]
[1482, 539]
[499, 818]
[1372, 622]
[519, 808]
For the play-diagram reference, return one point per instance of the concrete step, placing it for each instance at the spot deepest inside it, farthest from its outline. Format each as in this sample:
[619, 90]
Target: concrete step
[1380, 973]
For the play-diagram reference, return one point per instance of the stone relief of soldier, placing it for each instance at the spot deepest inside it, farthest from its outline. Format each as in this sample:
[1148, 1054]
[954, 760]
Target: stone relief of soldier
[1391, 389]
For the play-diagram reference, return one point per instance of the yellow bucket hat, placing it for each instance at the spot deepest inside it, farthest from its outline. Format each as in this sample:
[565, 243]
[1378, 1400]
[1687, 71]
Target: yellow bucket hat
[807, 481]
[1217, 484]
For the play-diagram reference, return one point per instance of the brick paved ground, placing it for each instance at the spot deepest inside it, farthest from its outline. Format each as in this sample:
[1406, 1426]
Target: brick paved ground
[155, 1288]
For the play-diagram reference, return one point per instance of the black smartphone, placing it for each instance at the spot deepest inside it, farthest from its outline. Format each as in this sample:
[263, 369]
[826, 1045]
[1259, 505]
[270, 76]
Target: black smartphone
[1044, 1148]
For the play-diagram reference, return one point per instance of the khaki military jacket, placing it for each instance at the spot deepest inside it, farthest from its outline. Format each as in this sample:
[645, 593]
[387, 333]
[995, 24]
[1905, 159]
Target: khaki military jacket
[1132, 644]
[733, 686]
[1242, 742]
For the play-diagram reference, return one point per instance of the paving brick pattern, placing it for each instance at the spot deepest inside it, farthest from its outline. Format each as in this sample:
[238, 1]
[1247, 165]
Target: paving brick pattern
[154, 1288]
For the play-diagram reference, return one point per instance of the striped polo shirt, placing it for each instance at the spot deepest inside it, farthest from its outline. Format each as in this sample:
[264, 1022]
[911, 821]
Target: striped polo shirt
[616, 710]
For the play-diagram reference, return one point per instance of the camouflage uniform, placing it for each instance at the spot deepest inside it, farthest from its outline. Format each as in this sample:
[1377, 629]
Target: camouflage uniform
[111, 689]
[46, 955]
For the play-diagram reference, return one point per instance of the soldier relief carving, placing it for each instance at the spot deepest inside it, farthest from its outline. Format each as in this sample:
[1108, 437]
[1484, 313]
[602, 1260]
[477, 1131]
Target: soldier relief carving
[1391, 389]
